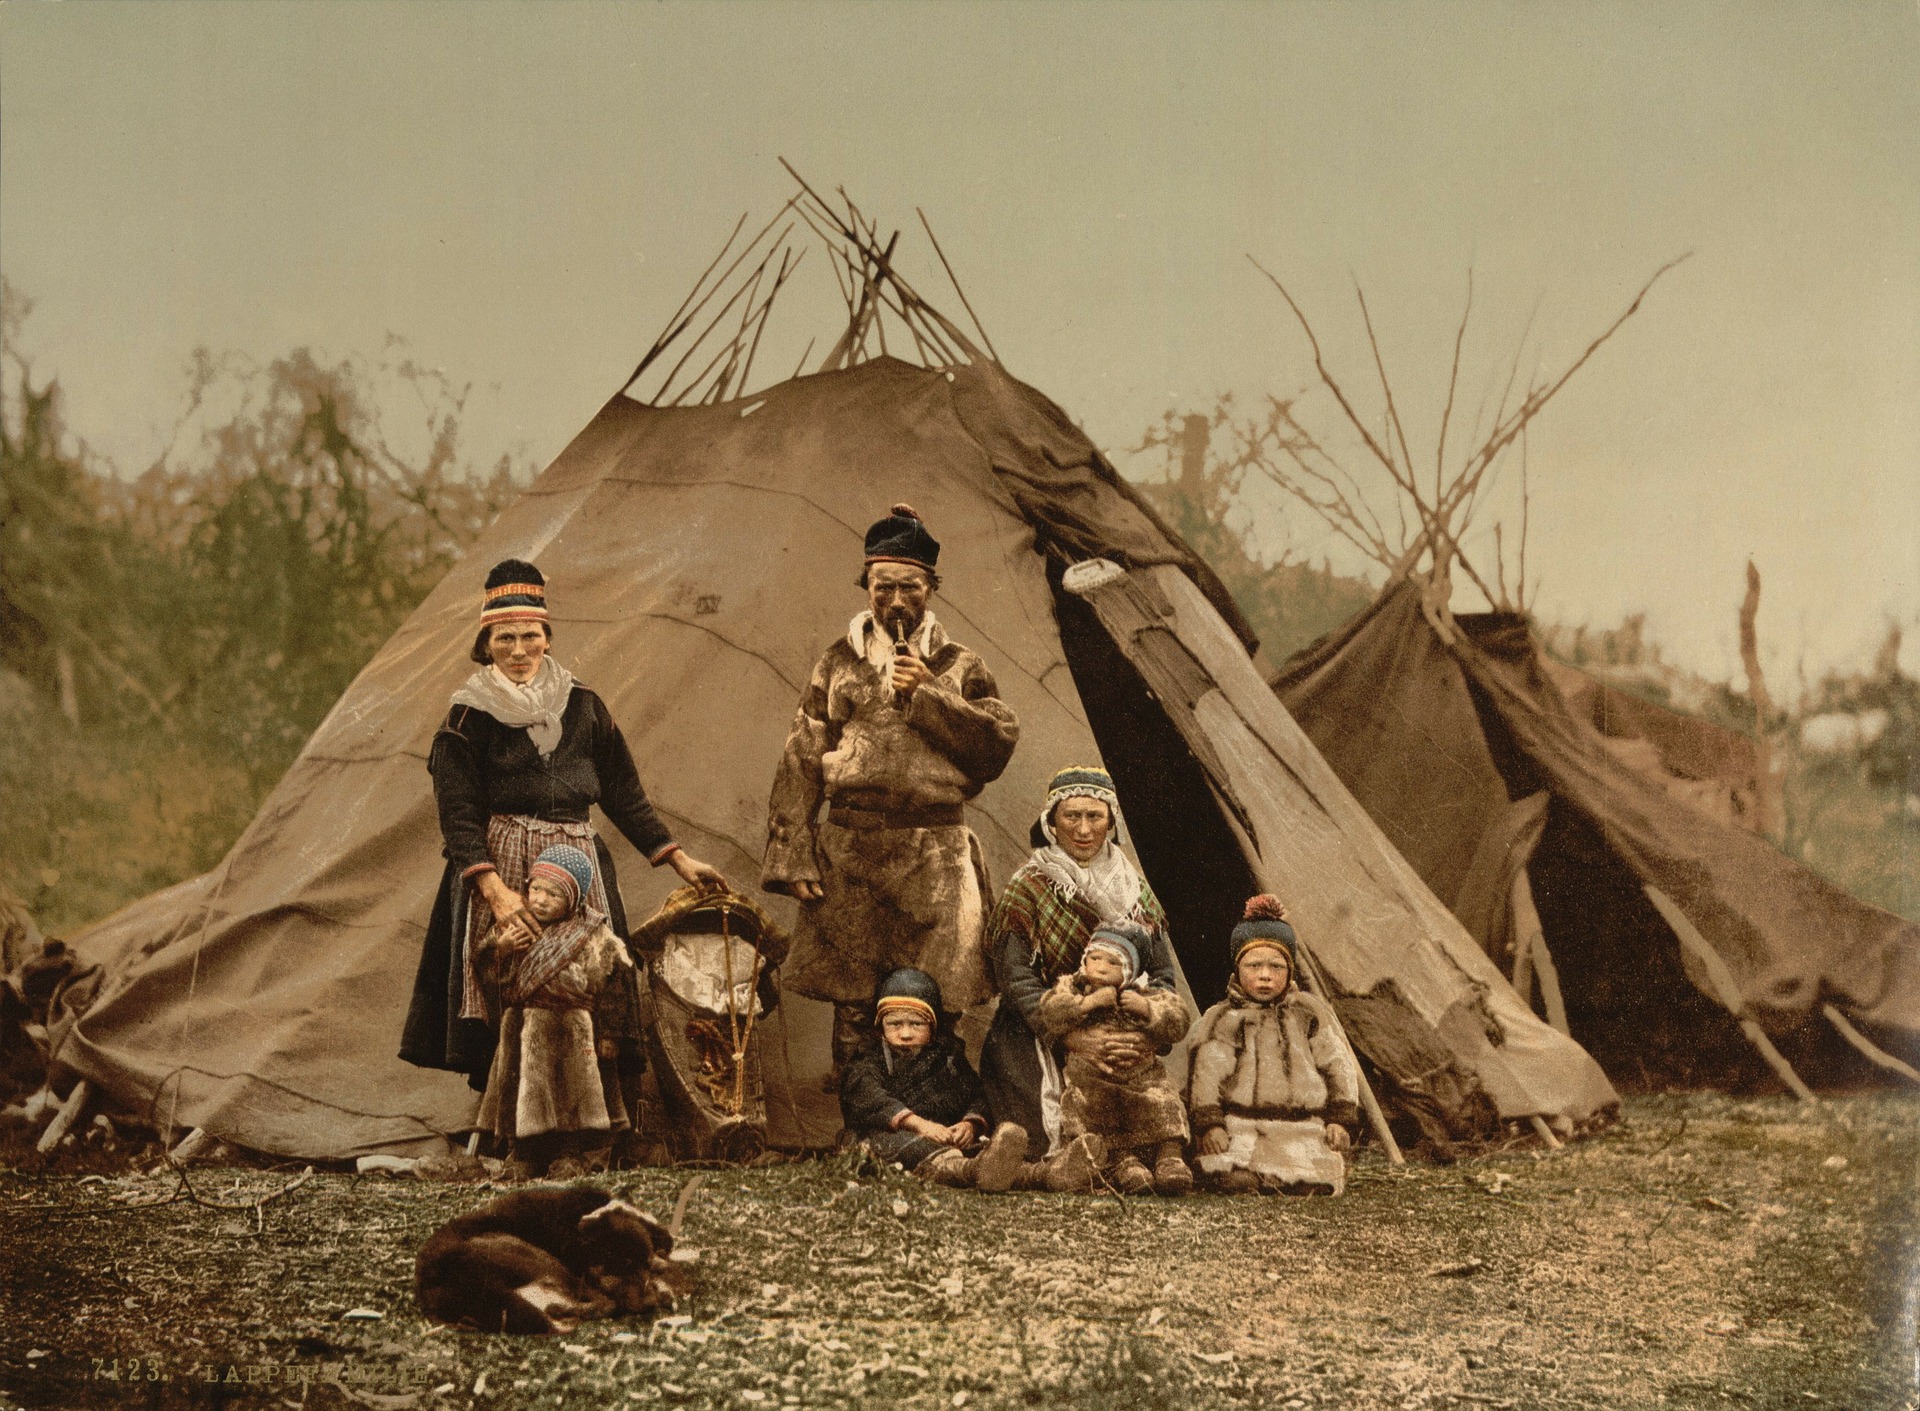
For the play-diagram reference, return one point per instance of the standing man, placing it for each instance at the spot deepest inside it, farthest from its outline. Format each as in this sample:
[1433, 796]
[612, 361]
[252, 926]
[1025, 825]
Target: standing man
[897, 729]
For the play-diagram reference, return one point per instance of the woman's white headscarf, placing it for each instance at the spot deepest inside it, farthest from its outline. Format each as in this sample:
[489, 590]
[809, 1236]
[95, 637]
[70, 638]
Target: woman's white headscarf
[1108, 882]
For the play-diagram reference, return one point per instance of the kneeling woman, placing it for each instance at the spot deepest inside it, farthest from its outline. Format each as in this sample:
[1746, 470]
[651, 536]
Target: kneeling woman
[525, 753]
[1076, 881]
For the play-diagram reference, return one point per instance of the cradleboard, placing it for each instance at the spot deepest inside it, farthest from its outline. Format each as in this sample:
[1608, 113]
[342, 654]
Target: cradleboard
[708, 980]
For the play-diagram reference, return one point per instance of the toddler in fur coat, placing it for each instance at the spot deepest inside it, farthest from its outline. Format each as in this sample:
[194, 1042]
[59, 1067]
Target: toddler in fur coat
[1134, 1112]
[566, 1002]
[1272, 1087]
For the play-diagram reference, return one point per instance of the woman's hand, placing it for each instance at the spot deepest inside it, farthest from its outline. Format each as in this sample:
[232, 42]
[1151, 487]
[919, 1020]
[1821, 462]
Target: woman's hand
[1112, 1053]
[1337, 1137]
[808, 892]
[696, 873]
[517, 925]
[1213, 1142]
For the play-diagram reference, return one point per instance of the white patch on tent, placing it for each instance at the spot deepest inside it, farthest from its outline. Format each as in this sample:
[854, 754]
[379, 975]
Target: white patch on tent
[1083, 577]
[1842, 731]
[752, 407]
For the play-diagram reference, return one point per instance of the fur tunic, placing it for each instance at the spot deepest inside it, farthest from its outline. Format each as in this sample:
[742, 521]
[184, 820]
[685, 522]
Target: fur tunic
[1273, 1075]
[904, 881]
[1138, 1108]
[878, 1089]
[547, 1073]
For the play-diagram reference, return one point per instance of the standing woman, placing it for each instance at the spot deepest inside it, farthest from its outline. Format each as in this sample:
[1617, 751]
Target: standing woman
[1076, 880]
[525, 752]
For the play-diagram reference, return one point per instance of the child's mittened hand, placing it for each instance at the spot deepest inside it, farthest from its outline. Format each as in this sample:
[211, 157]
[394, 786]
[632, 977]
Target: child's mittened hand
[1213, 1142]
[1135, 1003]
[1337, 1137]
[1103, 998]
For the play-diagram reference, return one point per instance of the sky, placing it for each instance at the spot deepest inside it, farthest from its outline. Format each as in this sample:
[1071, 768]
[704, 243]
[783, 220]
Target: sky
[524, 192]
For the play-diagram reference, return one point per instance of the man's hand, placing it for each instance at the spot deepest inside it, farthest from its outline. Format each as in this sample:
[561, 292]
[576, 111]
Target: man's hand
[1213, 1142]
[808, 892]
[908, 672]
[696, 873]
[1337, 1137]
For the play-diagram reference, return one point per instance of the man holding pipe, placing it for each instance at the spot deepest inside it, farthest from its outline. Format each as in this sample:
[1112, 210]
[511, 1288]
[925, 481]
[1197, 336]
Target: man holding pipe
[898, 727]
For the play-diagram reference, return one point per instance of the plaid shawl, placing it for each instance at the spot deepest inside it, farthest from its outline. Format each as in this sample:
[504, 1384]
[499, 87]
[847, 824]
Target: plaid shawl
[1057, 926]
[513, 841]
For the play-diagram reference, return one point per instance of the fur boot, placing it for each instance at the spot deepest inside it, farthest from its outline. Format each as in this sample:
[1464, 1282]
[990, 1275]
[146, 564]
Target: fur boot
[1171, 1174]
[1130, 1176]
[947, 1167]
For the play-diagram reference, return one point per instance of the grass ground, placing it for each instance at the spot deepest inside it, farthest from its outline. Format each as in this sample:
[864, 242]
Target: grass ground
[1706, 1252]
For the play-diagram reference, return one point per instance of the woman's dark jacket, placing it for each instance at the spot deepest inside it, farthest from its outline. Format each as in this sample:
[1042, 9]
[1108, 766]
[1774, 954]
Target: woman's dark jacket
[936, 1083]
[1009, 1062]
[481, 767]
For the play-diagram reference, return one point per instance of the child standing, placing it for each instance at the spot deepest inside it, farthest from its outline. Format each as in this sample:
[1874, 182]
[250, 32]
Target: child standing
[566, 1000]
[1133, 1111]
[1272, 1086]
[913, 1098]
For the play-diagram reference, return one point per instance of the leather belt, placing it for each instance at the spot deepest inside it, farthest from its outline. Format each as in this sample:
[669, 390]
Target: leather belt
[867, 820]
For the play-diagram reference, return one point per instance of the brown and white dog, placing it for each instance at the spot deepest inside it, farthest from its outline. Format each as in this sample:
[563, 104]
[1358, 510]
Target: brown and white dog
[542, 1261]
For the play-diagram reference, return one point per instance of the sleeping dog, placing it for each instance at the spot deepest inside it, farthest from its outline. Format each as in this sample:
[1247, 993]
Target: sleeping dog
[542, 1261]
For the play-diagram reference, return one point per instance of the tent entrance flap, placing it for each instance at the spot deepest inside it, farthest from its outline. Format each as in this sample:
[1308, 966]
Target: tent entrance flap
[1417, 994]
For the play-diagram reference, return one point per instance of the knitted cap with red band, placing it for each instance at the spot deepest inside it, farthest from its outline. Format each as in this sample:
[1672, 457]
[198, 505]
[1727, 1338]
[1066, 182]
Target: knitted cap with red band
[516, 592]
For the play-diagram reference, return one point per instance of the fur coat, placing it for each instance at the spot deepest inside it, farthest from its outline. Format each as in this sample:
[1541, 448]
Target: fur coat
[903, 877]
[547, 1074]
[1138, 1108]
[1273, 1075]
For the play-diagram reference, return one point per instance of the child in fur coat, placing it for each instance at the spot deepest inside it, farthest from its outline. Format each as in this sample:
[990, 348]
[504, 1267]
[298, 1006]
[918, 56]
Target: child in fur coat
[1134, 1112]
[914, 1099]
[1271, 1085]
[564, 1000]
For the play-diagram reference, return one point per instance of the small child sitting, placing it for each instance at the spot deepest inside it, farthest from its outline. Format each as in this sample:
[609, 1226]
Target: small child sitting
[1271, 1085]
[566, 1000]
[913, 1097]
[1133, 1110]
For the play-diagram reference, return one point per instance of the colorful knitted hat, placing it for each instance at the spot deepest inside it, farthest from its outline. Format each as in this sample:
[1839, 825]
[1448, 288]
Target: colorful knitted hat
[1262, 926]
[1128, 942]
[902, 538]
[1078, 781]
[912, 990]
[567, 868]
[516, 592]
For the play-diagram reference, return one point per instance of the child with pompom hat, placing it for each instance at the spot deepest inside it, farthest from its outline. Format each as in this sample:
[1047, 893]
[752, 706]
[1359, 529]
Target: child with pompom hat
[1271, 1086]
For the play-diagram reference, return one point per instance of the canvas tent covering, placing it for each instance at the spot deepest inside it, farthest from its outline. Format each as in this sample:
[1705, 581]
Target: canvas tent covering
[699, 558]
[1482, 760]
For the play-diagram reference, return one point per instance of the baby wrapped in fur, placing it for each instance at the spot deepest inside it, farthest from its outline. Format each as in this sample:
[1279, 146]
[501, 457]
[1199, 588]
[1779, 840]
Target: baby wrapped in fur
[1134, 1111]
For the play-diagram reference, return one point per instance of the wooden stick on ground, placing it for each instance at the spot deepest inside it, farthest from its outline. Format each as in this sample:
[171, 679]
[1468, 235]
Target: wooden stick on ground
[64, 1118]
[1544, 1132]
[1727, 988]
[1869, 1050]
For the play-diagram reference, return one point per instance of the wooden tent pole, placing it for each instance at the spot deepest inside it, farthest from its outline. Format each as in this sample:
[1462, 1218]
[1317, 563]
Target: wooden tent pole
[1531, 941]
[1869, 1050]
[1544, 1132]
[1726, 988]
[1376, 1118]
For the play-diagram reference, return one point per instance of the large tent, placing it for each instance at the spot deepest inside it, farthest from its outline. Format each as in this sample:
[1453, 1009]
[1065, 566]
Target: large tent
[1486, 764]
[701, 542]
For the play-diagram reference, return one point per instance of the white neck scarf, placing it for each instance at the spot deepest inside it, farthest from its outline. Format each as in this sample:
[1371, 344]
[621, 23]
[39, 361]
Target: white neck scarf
[867, 640]
[538, 705]
[1108, 882]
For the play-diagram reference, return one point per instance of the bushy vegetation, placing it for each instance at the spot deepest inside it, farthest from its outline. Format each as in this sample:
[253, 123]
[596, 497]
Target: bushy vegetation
[169, 640]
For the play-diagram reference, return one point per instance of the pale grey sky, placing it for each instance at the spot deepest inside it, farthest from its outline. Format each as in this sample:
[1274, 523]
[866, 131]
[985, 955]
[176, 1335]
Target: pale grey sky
[524, 192]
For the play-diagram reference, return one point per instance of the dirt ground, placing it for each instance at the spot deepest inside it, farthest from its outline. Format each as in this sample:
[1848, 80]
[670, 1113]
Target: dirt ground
[1706, 1252]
